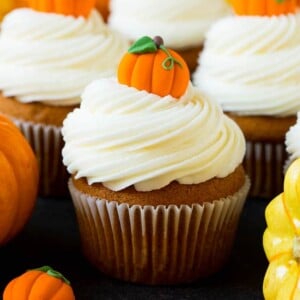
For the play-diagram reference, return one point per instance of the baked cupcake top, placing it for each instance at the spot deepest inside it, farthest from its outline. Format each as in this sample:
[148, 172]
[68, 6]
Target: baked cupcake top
[123, 136]
[292, 140]
[182, 23]
[251, 65]
[51, 57]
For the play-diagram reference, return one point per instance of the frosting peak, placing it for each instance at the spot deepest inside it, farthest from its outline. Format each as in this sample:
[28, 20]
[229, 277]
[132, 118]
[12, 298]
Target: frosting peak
[51, 57]
[121, 136]
[182, 23]
[251, 65]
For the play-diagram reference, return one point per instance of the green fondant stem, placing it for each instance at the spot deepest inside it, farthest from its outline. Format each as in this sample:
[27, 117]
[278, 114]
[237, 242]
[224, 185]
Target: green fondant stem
[168, 63]
[48, 270]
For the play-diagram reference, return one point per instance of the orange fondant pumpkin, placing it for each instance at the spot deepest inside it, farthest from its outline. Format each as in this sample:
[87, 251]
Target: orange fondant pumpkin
[264, 7]
[75, 8]
[42, 283]
[103, 7]
[150, 66]
[8, 5]
[18, 180]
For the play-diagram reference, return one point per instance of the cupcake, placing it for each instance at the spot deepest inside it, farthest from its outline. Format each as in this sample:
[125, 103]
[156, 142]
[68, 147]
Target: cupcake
[46, 61]
[292, 142]
[182, 23]
[157, 182]
[250, 65]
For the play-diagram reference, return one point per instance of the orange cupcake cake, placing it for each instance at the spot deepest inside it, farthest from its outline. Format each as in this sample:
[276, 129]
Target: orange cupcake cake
[250, 65]
[157, 181]
[48, 54]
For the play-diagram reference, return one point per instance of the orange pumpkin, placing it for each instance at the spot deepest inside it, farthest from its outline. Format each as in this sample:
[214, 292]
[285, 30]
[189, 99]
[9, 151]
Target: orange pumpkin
[8, 5]
[264, 7]
[18, 180]
[42, 283]
[150, 66]
[75, 8]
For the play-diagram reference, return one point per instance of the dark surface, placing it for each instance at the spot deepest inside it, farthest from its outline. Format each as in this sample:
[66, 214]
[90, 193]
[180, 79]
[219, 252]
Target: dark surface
[51, 238]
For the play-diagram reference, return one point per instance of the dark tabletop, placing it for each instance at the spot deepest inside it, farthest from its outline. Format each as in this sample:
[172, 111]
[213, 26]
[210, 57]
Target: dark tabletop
[51, 238]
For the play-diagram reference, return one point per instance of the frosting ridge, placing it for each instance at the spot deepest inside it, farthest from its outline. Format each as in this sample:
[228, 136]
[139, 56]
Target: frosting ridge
[121, 136]
[250, 65]
[51, 57]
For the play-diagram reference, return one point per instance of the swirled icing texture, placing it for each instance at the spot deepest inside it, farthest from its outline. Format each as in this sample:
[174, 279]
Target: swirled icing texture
[182, 23]
[52, 58]
[121, 136]
[251, 65]
[292, 140]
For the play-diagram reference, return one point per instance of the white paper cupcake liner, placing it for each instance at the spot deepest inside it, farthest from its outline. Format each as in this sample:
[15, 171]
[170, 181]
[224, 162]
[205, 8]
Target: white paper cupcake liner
[47, 143]
[264, 163]
[157, 245]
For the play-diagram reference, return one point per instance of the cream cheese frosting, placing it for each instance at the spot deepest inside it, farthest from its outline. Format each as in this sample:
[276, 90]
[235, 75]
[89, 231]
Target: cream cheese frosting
[292, 140]
[251, 65]
[51, 57]
[181, 23]
[121, 136]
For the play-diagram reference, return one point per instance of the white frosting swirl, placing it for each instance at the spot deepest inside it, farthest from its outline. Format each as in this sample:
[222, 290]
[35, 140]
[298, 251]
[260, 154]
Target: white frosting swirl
[121, 136]
[251, 65]
[181, 23]
[52, 58]
[292, 140]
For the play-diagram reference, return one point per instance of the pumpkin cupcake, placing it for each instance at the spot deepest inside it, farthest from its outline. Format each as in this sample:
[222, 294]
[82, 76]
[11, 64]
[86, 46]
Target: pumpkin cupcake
[182, 23]
[48, 54]
[250, 65]
[157, 181]
[292, 142]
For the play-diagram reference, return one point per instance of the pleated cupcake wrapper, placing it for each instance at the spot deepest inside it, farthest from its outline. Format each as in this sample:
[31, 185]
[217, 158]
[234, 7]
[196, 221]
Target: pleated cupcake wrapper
[264, 163]
[46, 141]
[157, 245]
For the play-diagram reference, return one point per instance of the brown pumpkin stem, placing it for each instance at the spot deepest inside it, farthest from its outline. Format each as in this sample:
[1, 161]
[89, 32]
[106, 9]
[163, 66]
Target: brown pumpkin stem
[296, 249]
[51, 272]
[168, 63]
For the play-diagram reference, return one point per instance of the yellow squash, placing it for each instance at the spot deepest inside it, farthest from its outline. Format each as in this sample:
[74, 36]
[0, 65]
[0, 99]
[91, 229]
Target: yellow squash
[281, 240]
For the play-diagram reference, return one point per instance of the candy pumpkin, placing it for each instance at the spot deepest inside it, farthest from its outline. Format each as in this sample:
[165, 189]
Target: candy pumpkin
[8, 5]
[282, 240]
[18, 180]
[39, 284]
[75, 8]
[264, 7]
[150, 66]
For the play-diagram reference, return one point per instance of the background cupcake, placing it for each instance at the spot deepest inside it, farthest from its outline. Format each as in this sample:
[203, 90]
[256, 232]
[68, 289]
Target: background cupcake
[292, 142]
[157, 181]
[250, 65]
[46, 60]
[182, 23]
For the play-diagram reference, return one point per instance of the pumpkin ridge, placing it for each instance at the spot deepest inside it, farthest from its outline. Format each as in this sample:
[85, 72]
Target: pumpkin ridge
[288, 214]
[295, 287]
[9, 289]
[44, 277]
[56, 292]
[14, 197]
[33, 283]
[277, 256]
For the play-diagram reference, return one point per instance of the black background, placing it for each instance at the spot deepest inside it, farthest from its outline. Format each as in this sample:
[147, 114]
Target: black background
[51, 238]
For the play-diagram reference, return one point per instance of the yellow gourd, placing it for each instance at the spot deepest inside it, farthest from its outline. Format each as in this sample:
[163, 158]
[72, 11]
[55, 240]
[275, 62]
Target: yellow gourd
[281, 240]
